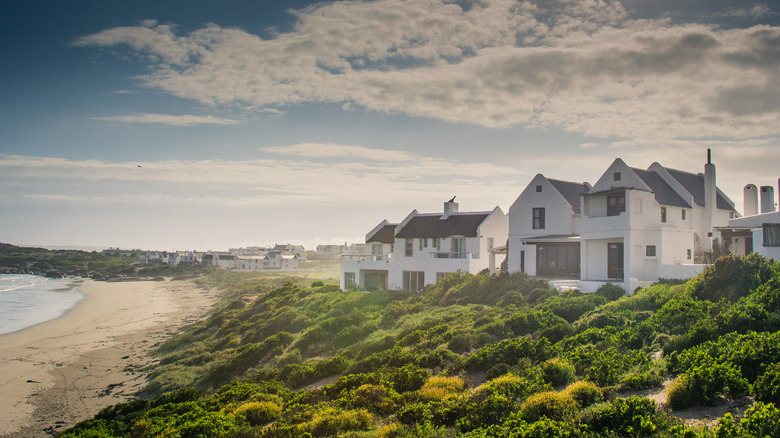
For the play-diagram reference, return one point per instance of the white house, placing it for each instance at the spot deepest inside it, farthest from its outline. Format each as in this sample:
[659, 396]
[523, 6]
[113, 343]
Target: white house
[425, 247]
[756, 232]
[544, 229]
[330, 250]
[273, 260]
[637, 225]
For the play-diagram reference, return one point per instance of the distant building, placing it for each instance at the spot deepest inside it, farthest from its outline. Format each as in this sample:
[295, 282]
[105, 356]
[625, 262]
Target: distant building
[330, 250]
[424, 248]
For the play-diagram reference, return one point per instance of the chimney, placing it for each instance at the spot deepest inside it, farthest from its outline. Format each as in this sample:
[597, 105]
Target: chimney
[710, 198]
[750, 198]
[767, 199]
[449, 207]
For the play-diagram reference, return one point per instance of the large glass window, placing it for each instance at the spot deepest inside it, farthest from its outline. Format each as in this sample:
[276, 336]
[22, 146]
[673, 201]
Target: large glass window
[414, 281]
[349, 280]
[458, 246]
[616, 204]
[539, 218]
[771, 234]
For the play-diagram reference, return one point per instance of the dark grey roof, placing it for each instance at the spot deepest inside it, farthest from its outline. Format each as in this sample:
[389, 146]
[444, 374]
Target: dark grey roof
[664, 193]
[694, 184]
[431, 226]
[385, 234]
[571, 191]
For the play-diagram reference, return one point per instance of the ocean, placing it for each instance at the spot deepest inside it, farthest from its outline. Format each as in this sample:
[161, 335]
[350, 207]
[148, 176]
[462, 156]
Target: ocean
[27, 300]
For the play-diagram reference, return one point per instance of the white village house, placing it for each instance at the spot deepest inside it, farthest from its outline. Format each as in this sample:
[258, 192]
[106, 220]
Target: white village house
[631, 228]
[755, 232]
[425, 247]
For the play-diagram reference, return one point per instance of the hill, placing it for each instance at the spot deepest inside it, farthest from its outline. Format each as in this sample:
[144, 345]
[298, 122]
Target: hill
[474, 356]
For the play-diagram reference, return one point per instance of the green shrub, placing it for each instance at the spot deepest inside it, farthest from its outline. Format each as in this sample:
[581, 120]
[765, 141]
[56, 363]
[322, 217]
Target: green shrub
[625, 417]
[584, 393]
[704, 383]
[611, 291]
[767, 386]
[258, 413]
[331, 421]
[557, 372]
[550, 404]
[732, 277]
[460, 343]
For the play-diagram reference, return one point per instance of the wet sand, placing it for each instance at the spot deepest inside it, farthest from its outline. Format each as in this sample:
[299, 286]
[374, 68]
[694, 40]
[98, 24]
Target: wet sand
[60, 372]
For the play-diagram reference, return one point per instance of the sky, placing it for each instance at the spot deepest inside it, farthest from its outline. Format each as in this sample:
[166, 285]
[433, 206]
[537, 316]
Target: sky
[208, 125]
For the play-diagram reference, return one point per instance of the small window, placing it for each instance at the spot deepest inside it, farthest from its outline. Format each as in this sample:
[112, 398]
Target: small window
[538, 223]
[435, 243]
[538, 189]
[420, 244]
[490, 242]
[650, 250]
[771, 234]
[616, 176]
[440, 275]
[689, 254]
[683, 215]
[409, 248]
[663, 214]
[425, 243]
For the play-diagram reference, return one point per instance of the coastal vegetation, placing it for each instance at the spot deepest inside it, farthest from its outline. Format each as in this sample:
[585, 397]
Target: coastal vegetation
[472, 356]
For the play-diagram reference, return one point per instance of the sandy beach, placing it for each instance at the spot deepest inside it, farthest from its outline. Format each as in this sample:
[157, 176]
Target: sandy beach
[60, 372]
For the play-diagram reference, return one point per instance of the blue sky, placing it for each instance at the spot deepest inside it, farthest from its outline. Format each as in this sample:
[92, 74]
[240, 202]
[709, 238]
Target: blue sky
[209, 125]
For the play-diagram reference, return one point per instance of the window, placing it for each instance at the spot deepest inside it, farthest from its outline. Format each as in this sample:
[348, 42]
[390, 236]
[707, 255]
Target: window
[420, 244]
[414, 281]
[458, 245]
[616, 204]
[538, 189]
[689, 254]
[490, 242]
[650, 250]
[771, 234]
[349, 280]
[435, 243]
[409, 251]
[425, 243]
[376, 248]
[440, 275]
[616, 176]
[539, 218]
[683, 215]
[663, 214]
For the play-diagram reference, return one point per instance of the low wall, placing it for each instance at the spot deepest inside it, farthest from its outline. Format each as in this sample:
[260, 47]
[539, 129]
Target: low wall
[679, 272]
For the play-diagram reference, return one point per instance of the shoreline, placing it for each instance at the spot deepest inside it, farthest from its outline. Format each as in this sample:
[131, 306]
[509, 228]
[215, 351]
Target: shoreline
[62, 371]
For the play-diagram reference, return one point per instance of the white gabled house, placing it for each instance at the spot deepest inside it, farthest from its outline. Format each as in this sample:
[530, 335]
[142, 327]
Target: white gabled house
[755, 232]
[425, 247]
[544, 229]
[640, 225]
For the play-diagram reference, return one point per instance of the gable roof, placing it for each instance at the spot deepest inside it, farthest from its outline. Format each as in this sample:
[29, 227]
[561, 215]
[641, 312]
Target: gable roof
[570, 191]
[431, 226]
[664, 193]
[386, 234]
[694, 184]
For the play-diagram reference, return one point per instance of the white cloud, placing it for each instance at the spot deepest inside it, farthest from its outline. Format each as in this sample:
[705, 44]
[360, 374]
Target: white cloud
[586, 67]
[319, 150]
[169, 119]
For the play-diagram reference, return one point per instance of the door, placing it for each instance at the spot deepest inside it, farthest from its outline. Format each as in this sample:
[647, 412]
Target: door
[615, 260]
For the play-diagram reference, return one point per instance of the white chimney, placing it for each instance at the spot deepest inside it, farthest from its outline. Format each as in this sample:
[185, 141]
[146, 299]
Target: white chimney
[710, 197]
[750, 198]
[767, 199]
[449, 207]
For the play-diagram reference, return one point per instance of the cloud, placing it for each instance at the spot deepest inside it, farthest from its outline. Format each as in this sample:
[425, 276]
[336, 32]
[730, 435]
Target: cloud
[318, 150]
[169, 119]
[584, 67]
[753, 12]
[389, 179]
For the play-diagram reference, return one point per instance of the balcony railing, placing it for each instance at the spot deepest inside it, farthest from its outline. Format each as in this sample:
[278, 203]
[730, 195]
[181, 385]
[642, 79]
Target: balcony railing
[450, 255]
[366, 258]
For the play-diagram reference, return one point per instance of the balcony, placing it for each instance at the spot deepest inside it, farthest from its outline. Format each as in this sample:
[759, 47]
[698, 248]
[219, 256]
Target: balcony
[604, 223]
[372, 261]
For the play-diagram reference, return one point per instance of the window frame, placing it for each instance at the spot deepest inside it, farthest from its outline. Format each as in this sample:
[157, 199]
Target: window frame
[539, 215]
[409, 248]
[771, 233]
[651, 251]
[618, 207]
[663, 214]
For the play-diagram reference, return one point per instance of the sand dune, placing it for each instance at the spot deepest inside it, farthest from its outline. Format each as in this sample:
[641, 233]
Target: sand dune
[60, 372]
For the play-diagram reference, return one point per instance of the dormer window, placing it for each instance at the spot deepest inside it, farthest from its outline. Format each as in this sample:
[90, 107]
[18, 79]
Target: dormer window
[616, 176]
